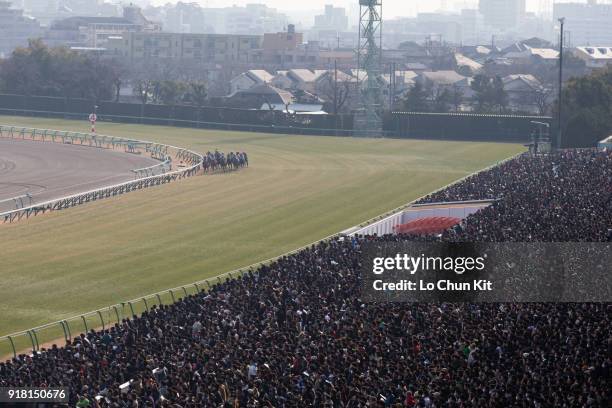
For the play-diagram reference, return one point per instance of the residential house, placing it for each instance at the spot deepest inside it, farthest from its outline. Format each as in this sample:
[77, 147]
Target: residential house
[440, 81]
[250, 79]
[594, 57]
[403, 81]
[478, 53]
[304, 79]
[527, 94]
[417, 67]
[444, 79]
[465, 65]
[346, 85]
[281, 80]
[259, 96]
[533, 55]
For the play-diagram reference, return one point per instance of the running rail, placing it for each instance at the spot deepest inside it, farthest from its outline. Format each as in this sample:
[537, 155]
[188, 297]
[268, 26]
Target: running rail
[163, 167]
[194, 163]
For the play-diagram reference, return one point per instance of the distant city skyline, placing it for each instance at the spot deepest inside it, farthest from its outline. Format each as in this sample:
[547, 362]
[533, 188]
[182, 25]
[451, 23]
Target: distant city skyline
[391, 8]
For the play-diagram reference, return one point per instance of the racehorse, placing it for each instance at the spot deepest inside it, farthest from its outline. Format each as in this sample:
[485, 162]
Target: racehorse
[219, 161]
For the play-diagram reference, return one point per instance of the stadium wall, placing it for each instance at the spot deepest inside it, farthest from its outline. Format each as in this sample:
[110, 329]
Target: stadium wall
[417, 211]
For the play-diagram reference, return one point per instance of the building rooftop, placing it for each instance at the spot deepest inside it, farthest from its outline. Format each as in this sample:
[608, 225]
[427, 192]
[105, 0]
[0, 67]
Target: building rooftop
[527, 78]
[304, 75]
[463, 61]
[596, 53]
[415, 66]
[443, 77]
[75, 22]
[261, 74]
[265, 93]
[545, 53]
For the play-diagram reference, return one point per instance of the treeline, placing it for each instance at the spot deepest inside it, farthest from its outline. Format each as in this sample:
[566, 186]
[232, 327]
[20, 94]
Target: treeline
[60, 72]
[487, 95]
[40, 70]
[587, 109]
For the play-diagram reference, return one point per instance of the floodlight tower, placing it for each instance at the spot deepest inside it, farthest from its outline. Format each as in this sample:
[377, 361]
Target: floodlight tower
[369, 56]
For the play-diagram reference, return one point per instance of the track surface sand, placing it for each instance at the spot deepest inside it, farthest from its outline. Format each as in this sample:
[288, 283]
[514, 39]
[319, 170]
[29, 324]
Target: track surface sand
[50, 170]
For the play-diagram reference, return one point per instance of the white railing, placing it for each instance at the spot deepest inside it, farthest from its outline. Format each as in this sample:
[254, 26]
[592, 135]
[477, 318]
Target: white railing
[193, 159]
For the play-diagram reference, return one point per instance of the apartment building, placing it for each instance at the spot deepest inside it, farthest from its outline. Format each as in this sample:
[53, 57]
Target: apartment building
[218, 48]
[15, 28]
[586, 23]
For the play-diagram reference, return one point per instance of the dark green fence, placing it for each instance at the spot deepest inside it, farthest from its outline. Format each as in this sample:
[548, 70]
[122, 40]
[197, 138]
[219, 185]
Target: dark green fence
[463, 126]
[446, 126]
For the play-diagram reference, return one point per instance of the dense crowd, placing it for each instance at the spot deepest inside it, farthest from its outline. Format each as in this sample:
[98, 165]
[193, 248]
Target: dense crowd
[563, 197]
[295, 333]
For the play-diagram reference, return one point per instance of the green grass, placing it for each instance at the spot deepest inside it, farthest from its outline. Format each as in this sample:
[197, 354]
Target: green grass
[297, 190]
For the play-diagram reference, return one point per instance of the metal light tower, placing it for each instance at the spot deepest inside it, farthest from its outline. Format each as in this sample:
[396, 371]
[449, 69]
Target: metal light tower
[369, 56]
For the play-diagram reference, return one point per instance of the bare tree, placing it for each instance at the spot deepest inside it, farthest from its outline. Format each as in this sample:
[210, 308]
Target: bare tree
[540, 97]
[335, 89]
[456, 97]
[143, 89]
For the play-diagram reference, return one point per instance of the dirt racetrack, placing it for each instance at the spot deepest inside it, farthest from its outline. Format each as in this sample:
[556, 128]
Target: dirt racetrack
[51, 170]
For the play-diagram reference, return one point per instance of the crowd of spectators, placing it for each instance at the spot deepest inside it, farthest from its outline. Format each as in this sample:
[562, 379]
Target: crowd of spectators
[295, 333]
[563, 197]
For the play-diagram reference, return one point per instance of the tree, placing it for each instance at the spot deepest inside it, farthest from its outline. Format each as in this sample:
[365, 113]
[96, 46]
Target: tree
[481, 85]
[442, 99]
[22, 73]
[445, 99]
[335, 89]
[40, 70]
[142, 89]
[587, 109]
[456, 98]
[168, 92]
[97, 79]
[499, 96]
[416, 99]
[118, 73]
[198, 93]
[489, 94]
[538, 96]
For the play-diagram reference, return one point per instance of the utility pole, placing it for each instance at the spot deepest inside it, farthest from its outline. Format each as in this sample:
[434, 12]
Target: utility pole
[391, 75]
[335, 87]
[559, 107]
[392, 85]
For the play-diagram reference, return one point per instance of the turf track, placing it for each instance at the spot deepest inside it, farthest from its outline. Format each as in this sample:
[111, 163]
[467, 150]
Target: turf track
[297, 190]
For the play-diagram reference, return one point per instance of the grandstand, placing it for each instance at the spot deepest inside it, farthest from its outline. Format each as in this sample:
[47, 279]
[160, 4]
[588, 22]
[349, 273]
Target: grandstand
[295, 332]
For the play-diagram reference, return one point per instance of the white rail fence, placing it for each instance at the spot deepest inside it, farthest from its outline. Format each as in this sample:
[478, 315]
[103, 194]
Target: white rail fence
[151, 176]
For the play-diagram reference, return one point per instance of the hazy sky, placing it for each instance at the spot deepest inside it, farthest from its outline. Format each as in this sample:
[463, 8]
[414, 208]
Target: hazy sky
[391, 8]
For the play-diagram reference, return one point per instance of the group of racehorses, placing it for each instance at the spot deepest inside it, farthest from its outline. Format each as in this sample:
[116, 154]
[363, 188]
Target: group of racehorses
[219, 161]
